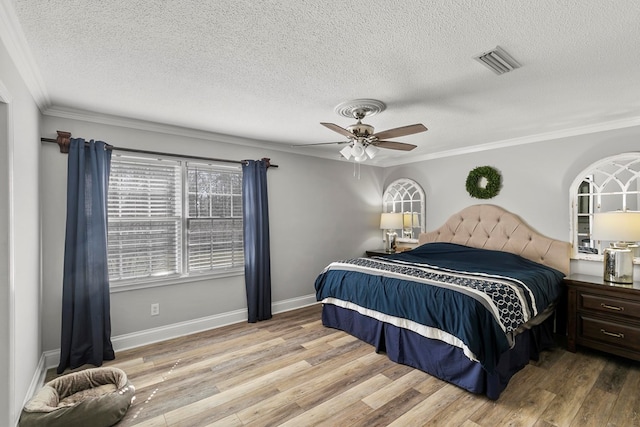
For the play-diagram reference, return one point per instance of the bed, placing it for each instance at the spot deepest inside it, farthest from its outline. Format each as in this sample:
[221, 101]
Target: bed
[471, 305]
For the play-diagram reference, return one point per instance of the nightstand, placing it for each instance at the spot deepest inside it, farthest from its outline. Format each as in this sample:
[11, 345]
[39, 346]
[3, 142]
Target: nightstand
[378, 252]
[603, 315]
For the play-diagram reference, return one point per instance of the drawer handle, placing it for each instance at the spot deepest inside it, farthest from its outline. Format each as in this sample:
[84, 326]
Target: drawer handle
[612, 334]
[611, 307]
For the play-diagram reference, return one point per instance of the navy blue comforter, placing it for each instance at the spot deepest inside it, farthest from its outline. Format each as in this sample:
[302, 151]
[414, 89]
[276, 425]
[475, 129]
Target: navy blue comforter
[479, 296]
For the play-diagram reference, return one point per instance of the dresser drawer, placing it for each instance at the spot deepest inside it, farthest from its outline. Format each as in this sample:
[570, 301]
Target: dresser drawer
[611, 332]
[611, 305]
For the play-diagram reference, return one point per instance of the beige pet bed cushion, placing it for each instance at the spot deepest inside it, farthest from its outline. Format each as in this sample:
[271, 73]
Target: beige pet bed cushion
[94, 397]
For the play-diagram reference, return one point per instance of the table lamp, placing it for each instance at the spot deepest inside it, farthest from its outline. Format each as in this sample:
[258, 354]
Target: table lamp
[622, 229]
[390, 222]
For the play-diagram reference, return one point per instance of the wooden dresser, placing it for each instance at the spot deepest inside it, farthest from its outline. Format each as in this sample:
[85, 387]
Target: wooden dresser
[602, 315]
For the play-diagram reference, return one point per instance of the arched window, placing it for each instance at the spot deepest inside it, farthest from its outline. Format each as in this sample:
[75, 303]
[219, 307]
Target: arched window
[406, 196]
[610, 184]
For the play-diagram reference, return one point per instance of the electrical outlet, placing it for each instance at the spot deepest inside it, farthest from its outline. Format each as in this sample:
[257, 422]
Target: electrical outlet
[155, 309]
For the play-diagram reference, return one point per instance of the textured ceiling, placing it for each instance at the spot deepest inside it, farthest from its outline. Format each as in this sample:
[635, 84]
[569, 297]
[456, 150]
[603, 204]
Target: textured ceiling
[272, 70]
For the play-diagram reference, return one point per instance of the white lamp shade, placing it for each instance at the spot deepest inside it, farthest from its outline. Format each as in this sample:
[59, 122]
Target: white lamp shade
[617, 226]
[371, 151]
[390, 221]
[346, 152]
[410, 219]
[357, 150]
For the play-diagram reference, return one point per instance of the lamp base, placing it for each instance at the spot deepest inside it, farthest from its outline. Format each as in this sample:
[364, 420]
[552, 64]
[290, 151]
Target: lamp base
[618, 263]
[390, 243]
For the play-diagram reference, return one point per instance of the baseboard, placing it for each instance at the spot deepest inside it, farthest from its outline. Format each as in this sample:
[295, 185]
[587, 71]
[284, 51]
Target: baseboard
[51, 358]
[36, 382]
[293, 303]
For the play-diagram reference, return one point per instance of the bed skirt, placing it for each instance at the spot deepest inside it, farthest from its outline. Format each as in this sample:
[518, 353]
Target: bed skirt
[440, 359]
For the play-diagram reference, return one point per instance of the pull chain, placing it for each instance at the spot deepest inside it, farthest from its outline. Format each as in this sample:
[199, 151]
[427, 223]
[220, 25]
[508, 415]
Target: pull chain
[356, 174]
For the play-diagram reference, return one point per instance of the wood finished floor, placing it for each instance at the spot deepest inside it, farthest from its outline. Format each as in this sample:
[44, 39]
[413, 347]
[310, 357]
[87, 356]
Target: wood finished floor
[292, 371]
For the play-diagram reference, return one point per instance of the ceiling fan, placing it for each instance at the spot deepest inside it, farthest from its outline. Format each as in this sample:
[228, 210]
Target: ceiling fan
[363, 142]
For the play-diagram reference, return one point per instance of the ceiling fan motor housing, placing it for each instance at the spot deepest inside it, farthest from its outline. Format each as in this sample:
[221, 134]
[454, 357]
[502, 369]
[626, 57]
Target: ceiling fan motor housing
[361, 130]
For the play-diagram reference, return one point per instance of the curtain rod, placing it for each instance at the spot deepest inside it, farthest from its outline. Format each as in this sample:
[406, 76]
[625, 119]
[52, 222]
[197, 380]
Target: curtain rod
[63, 141]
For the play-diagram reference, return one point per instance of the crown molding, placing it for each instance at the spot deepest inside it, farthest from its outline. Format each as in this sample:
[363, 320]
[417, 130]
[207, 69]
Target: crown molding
[541, 137]
[145, 125]
[113, 120]
[15, 42]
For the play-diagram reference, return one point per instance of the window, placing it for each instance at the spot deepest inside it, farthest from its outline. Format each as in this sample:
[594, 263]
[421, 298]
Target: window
[215, 218]
[608, 185]
[170, 218]
[406, 196]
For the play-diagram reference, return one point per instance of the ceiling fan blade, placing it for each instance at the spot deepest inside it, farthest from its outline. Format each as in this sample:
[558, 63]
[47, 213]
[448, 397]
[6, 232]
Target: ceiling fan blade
[401, 131]
[394, 145]
[320, 143]
[336, 128]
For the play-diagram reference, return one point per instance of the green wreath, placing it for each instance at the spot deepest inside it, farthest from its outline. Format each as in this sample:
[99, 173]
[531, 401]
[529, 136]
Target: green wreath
[494, 181]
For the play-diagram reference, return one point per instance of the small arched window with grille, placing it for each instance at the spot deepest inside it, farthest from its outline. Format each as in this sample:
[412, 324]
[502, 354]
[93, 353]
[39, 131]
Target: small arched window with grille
[611, 184]
[407, 197]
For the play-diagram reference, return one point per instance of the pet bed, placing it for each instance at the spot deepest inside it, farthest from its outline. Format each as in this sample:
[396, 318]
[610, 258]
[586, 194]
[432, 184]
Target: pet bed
[98, 397]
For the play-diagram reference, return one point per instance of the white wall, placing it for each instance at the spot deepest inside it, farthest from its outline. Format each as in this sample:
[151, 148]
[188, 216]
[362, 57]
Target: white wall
[19, 241]
[536, 179]
[318, 213]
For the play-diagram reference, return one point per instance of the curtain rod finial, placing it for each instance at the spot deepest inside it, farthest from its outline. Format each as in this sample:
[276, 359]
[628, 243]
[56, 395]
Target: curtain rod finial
[267, 162]
[63, 141]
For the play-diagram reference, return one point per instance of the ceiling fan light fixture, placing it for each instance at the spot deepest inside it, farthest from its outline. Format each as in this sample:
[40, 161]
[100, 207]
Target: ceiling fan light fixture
[372, 151]
[358, 150]
[346, 152]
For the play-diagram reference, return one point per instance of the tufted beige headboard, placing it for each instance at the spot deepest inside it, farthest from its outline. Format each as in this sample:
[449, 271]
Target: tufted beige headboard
[492, 227]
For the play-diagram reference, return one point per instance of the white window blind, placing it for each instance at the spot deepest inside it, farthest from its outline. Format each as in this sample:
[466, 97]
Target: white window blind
[169, 218]
[145, 218]
[215, 218]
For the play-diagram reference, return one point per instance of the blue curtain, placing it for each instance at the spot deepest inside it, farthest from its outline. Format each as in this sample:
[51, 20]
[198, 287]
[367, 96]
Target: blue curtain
[257, 258]
[86, 321]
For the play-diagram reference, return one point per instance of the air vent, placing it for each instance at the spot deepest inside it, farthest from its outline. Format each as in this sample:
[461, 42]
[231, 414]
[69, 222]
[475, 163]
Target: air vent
[498, 61]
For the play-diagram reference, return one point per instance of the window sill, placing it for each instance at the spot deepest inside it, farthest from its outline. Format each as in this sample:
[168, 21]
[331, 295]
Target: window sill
[133, 285]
